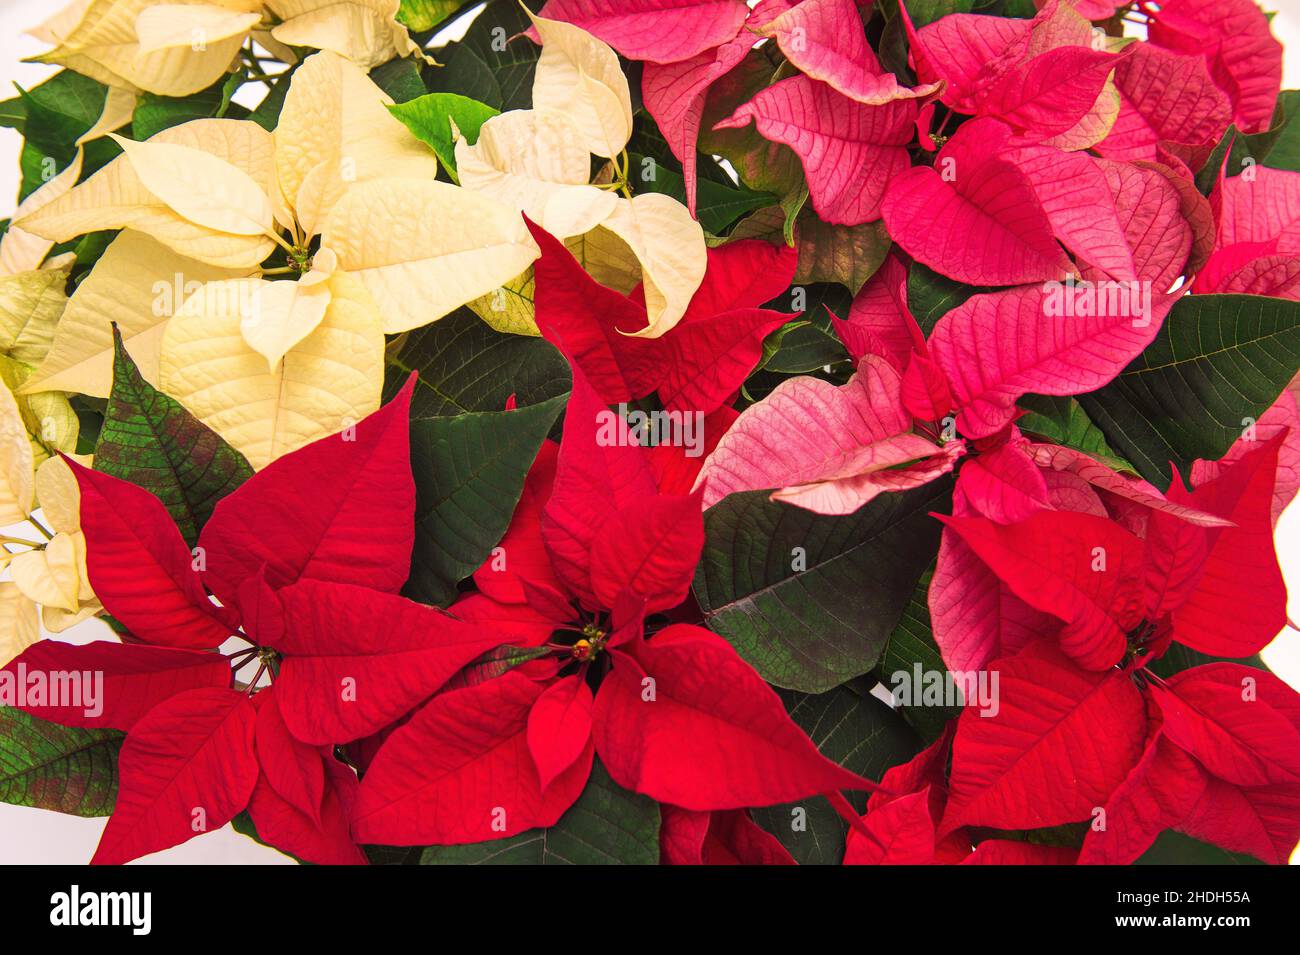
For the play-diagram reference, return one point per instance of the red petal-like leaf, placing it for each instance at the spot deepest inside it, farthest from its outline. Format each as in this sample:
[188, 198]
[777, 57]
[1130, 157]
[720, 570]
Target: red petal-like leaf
[687, 721]
[996, 347]
[849, 151]
[601, 470]
[974, 216]
[900, 832]
[313, 513]
[1083, 570]
[135, 679]
[140, 568]
[661, 31]
[650, 549]
[187, 767]
[1242, 724]
[559, 727]
[355, 659]
[327, 842]
[1062, 741]
[292, 768]
[460, 771]
[1241, 580]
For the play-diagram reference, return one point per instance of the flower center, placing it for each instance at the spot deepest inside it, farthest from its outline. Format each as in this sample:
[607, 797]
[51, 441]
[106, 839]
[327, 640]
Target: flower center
[590, 643]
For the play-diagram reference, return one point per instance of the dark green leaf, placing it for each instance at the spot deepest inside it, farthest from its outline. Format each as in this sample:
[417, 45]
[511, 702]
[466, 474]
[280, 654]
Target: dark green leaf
[267, 113]
[1218, 362]
[717, 206]
[1285, 153]
[1179, 657]
[930, 295]
[855, 730]
[1174, 848]
[810, 600]
[606, 826]
[493, 64]
[59, 110]
[1063, 421]
[400, 79]
[465, 366]
[62, 768]
[150, 440]
[469, 472]
[464, 72]
[155, 113]
[925, 12]
[912, 643]
[429, 118]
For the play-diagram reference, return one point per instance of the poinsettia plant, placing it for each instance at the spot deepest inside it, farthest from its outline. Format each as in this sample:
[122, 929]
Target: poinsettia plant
[671, 431]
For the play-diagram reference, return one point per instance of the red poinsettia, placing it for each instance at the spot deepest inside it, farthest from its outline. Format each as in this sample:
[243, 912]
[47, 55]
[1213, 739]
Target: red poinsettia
[324, 530]
[1084, 729]
[700, 362]
[594, 557]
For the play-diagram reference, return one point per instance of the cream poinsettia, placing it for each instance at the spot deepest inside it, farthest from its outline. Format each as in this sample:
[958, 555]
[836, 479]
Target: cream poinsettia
[178, 47]
[268, 360]
[45, 553]
[53, 574]
[31, 305]
[538, 161]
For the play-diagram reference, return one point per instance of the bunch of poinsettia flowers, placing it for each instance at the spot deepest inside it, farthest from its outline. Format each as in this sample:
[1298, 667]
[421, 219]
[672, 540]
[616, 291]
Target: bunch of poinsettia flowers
[866, 445]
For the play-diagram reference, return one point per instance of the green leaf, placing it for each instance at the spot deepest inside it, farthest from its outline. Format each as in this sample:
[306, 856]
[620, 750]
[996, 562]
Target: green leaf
[62, 768]
[423, 15]
[930, 296]
[492, 664]
[606, 826]
[1277, 147]
[493, 64]
[716, 206]
[855, 730]
[810, 344]
[761, 165]
[925, 12]
[1063, 421]
[267, 113]
[1285, 153]
[1180, 657]
[846, 255]
[429, 118]
[1217, 361]
[1174, 848]
[59, 110]
[155, 113]
[150, 440]
[466, 366]
[469, 473]
[912, 643]
[807, 599]
[400, 79]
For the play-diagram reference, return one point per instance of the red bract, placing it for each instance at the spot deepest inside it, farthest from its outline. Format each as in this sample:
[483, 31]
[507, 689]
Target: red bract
[700, 362]
[850, 151]
[345, 660]
[1108, 587]
[593, 549]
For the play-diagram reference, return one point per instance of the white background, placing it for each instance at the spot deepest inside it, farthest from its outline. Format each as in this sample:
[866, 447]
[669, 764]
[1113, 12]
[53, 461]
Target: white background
[39, 836]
